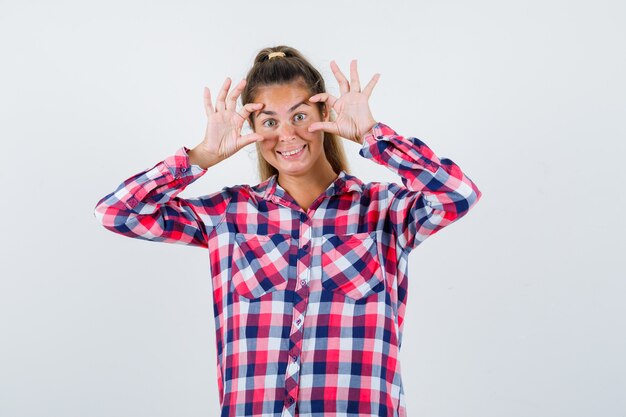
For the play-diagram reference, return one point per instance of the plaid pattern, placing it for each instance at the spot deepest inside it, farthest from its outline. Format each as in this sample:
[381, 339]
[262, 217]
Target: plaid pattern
[309, 306]
[350, 265]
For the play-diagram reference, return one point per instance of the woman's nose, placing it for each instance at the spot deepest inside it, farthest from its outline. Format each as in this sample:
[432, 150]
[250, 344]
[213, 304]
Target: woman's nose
[287, 132]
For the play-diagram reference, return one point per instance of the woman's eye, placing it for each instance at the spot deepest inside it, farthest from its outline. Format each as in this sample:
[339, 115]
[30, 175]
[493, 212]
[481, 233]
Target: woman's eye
[300, 117]
[268, 123]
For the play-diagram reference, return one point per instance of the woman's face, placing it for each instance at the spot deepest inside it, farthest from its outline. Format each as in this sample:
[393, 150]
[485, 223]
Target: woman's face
[283, 122]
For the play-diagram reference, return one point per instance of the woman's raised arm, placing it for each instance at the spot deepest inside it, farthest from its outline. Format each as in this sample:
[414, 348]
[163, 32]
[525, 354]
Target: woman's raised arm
[436, 192]
[146, 206]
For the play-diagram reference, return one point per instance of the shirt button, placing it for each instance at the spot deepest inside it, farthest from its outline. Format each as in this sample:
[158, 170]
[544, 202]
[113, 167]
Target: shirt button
[183, 169]
[290, 400]
[298, 321]
[303, 283]
[306, 247]
[294, 357]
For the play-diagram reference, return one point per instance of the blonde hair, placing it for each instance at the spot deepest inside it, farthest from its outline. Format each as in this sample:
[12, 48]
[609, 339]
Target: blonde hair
[292, 67]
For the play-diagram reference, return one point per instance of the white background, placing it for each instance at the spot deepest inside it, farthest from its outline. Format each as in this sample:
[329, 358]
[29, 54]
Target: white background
[517, 310]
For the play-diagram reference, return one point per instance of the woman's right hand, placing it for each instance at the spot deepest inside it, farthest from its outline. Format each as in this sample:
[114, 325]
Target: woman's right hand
[224, 123]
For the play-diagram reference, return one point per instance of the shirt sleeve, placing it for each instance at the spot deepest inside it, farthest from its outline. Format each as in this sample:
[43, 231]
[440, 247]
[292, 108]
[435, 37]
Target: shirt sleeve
[145, 206]
[436, 192]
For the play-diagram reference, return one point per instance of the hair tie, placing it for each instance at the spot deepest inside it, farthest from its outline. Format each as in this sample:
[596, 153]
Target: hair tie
[275, 54]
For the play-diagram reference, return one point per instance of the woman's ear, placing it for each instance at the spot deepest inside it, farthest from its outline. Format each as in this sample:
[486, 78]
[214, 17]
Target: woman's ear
[325, 113]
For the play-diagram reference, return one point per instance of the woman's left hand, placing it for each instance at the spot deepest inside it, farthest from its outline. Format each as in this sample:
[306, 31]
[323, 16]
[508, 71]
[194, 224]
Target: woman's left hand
[354, 117]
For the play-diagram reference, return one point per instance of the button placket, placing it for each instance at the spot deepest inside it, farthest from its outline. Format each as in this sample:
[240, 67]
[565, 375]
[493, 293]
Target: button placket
[303, 261]
[304, 252]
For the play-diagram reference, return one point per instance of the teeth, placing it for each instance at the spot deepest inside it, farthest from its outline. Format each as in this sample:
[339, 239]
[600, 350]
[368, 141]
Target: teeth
[292, 152]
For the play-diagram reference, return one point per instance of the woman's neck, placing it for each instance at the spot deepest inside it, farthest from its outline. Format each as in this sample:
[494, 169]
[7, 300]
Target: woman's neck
[306, 188]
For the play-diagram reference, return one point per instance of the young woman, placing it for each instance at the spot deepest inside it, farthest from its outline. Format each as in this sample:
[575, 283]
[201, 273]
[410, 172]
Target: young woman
[308, 267]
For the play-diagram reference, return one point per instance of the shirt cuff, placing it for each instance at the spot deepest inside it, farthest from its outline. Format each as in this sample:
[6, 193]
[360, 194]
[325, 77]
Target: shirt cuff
[379, 131]
[179, 165]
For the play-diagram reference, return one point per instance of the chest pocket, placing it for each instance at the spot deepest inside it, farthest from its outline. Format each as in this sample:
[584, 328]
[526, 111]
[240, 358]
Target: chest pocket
[260, 264]
[350, 265]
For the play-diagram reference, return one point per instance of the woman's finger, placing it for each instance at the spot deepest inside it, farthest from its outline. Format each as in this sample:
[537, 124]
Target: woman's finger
[249, 138]
[221, 104]
[370, 86]
[354, 77]
[325, 126]
[344, 86]
[248, 109]
[231, 101]
[324, 97]
[208, 106]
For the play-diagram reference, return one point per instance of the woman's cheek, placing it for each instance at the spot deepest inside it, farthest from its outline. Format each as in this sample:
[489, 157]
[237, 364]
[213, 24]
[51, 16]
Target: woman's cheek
[268, 138]
[303, 132]
[267, 146]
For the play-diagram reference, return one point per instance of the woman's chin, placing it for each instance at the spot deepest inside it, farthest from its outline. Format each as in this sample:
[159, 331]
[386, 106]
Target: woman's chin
[293, 171]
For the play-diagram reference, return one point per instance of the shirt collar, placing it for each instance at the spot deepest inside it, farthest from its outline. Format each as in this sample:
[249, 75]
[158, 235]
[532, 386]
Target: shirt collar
[344, 183]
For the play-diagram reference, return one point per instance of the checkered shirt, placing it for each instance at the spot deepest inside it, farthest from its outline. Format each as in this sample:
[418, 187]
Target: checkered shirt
[308, 304]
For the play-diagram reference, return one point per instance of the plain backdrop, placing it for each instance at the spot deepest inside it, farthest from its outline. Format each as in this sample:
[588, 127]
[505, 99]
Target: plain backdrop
[516, 310]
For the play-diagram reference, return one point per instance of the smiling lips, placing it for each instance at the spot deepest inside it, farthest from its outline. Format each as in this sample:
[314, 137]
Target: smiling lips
[292, 152]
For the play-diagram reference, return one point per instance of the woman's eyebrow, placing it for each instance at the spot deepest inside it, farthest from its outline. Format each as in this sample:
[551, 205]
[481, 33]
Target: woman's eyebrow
[305, 101]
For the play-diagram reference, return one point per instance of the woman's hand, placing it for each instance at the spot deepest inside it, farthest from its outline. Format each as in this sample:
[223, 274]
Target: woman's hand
[354, 117]
[223, 130]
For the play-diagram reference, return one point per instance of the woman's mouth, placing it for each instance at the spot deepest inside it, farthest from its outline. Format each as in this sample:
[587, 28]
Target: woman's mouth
[292, 154]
